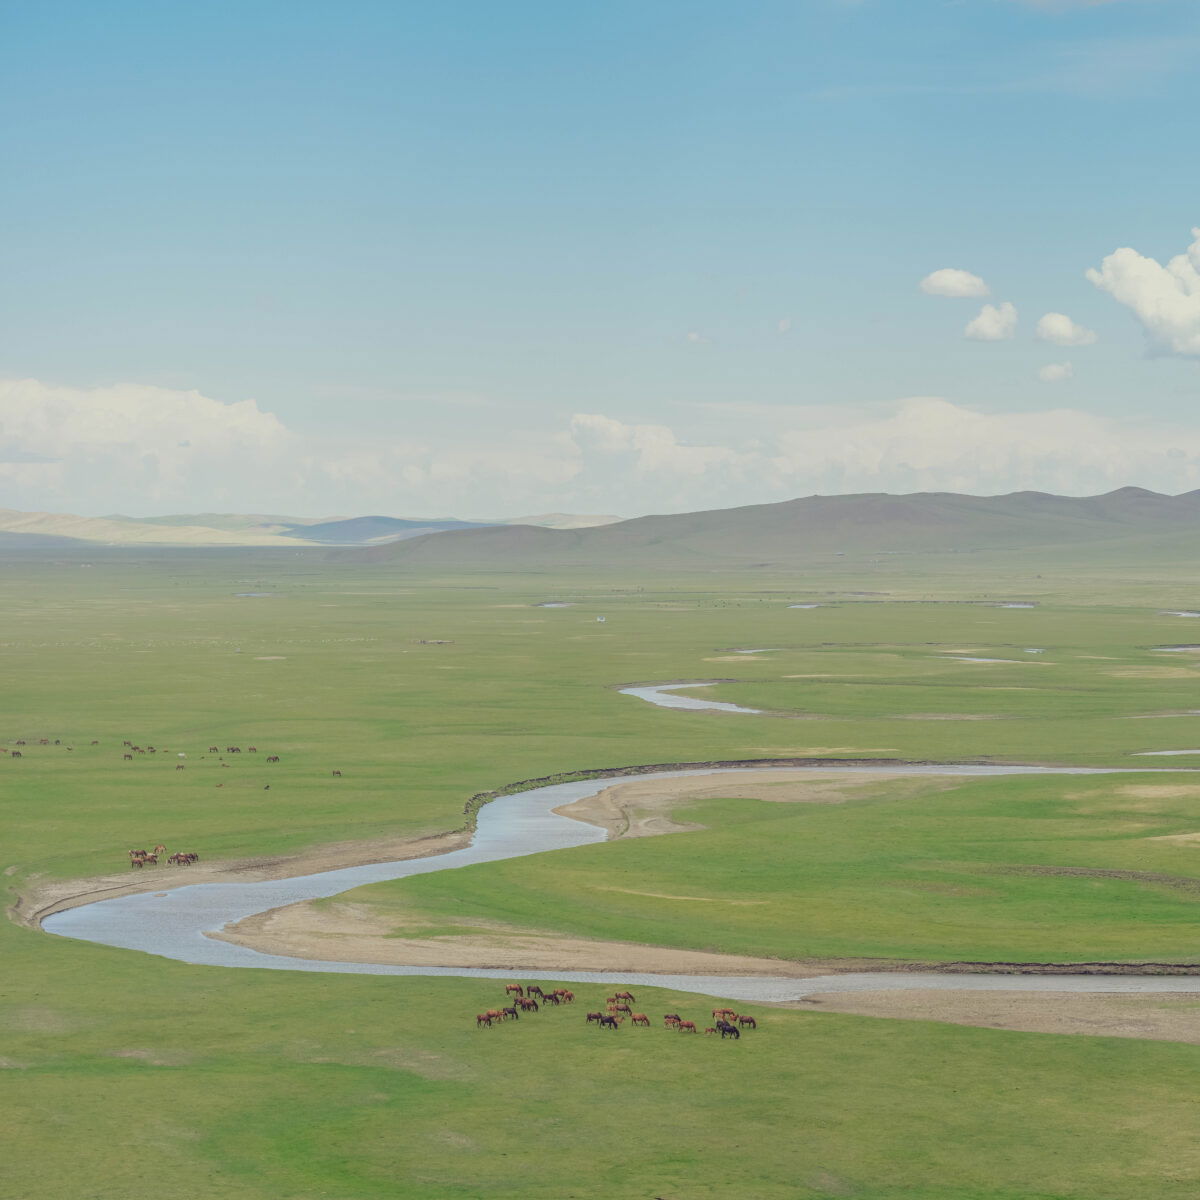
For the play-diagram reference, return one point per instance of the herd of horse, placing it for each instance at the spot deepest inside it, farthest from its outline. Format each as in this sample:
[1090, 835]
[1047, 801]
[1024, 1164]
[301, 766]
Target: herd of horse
[149, 858]
[618, 1007]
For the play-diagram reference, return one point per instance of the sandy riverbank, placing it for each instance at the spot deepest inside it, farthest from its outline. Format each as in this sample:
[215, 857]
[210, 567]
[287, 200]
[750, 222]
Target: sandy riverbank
[39, 898]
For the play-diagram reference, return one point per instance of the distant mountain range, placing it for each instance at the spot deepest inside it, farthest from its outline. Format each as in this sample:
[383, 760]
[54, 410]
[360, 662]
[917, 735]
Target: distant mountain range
[785, 534]
[35, 530]
[795, 530]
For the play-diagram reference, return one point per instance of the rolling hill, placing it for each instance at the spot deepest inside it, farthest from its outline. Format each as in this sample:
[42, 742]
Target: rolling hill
[797, 530]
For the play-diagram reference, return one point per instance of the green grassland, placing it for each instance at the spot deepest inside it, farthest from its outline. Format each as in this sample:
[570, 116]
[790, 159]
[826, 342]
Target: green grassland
[940, 875]
[127, 1075]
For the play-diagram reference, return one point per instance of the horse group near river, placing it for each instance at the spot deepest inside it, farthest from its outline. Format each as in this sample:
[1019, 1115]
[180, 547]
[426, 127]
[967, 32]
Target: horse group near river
[618, 1008]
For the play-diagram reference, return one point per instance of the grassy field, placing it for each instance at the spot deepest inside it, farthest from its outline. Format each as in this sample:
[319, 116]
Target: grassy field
[128, 1074]
[992, 870]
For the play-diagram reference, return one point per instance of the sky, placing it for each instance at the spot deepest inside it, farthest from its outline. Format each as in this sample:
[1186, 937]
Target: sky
[490, 259]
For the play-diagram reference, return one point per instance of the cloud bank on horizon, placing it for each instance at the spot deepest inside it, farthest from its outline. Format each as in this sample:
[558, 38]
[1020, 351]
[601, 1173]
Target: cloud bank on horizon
[152, 450]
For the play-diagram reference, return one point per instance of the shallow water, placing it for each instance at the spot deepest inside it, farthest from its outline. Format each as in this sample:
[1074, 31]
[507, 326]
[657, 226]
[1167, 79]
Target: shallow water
[173, 924]
[663, 695]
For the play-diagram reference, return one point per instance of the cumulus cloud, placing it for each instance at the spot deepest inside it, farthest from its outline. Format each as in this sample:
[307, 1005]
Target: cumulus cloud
[1062, 331]
[1056, 372]
[136, 448]
[1165, 299]
[995, 323]
[132, 448]
[919, 444]
[950, 281]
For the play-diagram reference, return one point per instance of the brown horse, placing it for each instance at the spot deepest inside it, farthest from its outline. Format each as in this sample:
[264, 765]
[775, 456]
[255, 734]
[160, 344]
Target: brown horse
[747, 1022]
[514, 988]
[670, 1019]
[482, 1019]
[687, 1026]
[623, 996]
[640, 1019]
[593, 1016]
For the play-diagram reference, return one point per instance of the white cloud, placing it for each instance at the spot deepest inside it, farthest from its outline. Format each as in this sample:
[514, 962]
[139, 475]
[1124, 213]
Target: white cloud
[920, 444]
[995, 323]
[1166, 299]
[785, 323]
[696, 338]
[138, 449]
[1062, 331]
[950, 281]
[1056, 372]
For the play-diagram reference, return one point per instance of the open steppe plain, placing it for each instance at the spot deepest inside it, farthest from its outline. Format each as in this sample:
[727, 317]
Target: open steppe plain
[126, 1075]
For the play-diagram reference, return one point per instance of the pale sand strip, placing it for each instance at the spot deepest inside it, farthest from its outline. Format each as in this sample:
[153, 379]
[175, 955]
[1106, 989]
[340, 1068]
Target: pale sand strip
[1159, 1018]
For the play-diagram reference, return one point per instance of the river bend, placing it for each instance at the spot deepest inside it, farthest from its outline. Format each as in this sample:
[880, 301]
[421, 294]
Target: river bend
[174, 924]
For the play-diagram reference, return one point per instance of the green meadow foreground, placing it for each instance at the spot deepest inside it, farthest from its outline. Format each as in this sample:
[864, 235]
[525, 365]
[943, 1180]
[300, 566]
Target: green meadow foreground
[127, 1073]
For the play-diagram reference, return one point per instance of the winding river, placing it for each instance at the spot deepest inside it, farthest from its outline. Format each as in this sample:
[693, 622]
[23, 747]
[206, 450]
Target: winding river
[174, 923]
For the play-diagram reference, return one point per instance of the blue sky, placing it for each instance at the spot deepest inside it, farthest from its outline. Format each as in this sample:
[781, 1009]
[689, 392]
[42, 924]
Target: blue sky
[492, 258]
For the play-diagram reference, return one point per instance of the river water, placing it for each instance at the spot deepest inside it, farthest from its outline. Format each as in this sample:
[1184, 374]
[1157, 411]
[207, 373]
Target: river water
[173, 924]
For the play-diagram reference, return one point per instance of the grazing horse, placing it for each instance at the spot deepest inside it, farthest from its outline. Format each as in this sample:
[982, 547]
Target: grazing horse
[593, 1016]
[639, 1019]
[527, 1005]
[179, 766]
[214, 749]
[610, 1022]
[687, 1027]
[482, 1019]
[710, 1029]
[623, 996]
[621, 1008]
[566, 996]
[514, 988]
[251, 749]
[745, 1022]
[670, 1019]
[337, 774]
[95, 742]
[511, 1012]
[728, 1030]
[534, 990]
[551, 998]
[18, 754]
[272, 758]
[724, 1012]
[127, 757]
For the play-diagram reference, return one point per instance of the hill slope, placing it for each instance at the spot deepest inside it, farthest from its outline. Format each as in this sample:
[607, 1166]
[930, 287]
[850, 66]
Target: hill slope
[795, 530]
